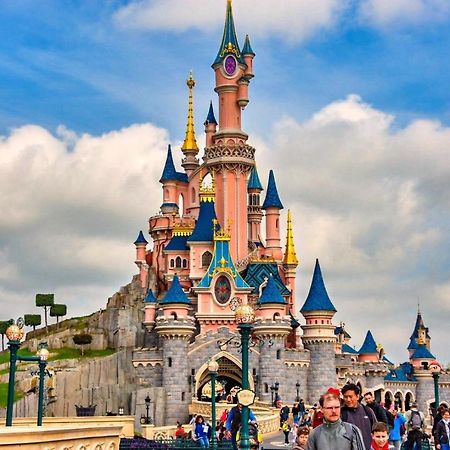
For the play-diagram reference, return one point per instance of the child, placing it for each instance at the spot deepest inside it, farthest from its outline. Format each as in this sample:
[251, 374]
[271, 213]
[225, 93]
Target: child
[286, 428]
[301, 439]
[380, 436]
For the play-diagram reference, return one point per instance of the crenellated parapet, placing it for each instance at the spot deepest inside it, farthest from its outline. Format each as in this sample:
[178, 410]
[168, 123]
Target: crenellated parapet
[173, 328]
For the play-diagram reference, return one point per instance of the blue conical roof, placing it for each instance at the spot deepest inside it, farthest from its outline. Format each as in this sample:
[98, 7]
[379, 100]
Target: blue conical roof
[369, 345]
[211, 118]
[271, 294]
[229, 42]
[204, 228]
[317, 299]
[422, 352]
[140, 239]
[169, 172]
[412, 344]
[272, 199]
[247, 49]
[253, 181]
[150, 298]
[175, 294]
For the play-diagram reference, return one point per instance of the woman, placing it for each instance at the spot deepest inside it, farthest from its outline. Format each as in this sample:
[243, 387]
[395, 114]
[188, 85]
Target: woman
[442, 434]
[201, 432]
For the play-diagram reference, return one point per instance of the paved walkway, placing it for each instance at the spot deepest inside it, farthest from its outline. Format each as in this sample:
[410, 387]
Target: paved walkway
[276, 441]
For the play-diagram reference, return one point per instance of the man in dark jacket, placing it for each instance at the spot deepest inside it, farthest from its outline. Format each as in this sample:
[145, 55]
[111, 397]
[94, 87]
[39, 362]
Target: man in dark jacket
[355, 413]
[379, 411]
[234, 421]
[442, 433]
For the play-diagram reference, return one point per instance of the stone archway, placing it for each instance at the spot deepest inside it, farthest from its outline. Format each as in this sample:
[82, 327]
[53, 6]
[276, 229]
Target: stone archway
[399, 400]
[388, 399]
[408, 400]
[229, 374]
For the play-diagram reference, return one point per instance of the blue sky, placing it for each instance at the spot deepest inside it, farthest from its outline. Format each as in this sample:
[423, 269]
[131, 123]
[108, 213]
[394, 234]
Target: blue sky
[349, 105]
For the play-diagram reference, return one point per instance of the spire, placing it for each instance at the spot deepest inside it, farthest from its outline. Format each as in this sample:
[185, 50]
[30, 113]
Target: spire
[317, 299]
[247, 49]
[369, 345]
[271, 294]
[210, 118]
[150, 298]
[253, 181]
[229, 43]
[169, 172]
[190, 143]
[290, 258]
[175, 294]
[272, 198]
[140, 239]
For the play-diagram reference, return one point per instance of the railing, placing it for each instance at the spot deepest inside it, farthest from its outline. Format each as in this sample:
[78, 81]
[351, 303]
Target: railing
[166, 444]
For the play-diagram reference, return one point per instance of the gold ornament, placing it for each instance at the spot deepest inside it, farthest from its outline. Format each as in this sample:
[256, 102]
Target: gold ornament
[245, 314]
[14, 333]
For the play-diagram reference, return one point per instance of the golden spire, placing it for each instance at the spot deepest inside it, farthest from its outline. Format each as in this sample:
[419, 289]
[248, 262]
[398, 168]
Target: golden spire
[190, 143]
[290, 258]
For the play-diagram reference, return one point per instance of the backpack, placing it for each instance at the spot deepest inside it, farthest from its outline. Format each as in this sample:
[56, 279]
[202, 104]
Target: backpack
[415, 422]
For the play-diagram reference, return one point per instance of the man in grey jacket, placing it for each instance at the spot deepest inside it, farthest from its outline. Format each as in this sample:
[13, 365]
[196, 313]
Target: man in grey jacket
[334, 434]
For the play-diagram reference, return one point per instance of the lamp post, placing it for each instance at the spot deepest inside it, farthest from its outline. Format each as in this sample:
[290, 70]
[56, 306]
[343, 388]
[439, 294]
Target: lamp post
[148, 401]
[297, 387]
[436, 372]
[14, 334]
[277, 387]
[245, 317]
[272, 390]
[213, 367]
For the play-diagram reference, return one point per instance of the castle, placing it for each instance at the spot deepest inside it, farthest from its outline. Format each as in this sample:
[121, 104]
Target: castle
[216, 242]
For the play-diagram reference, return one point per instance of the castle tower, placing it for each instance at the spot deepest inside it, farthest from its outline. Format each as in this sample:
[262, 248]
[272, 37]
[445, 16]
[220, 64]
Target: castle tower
[141, 244]
[149, 311]
[210, 125]
[272, 325]
[368, 351]
[254, 188]
[190, 147]
[290, 260]
[319, 338]
[412, 347]
[272, 205]
[229, 156]
[175, 329]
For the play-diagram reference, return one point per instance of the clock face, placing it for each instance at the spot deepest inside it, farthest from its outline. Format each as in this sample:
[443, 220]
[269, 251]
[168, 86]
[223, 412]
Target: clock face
[230, 65]
[222, 290]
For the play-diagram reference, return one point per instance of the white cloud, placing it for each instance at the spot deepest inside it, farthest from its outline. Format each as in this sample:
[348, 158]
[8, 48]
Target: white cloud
[292, 20]
[403, 12]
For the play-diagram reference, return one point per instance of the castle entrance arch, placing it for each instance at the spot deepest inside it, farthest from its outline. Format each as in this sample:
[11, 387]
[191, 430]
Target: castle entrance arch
[228, 379]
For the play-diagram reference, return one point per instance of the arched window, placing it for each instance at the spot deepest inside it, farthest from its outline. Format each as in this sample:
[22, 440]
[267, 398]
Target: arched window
[266, 388]
[172, 263]
[178, 262]
[169, 361]
[184, 263]
[276, 316]
[166, 194]
[174, 315]
[183, 396]
[278, 354]
[193, 196]
[277, 223]
[181, 204]
[206, 259]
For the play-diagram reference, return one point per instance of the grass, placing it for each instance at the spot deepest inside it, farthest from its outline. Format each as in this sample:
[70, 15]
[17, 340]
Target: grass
[4, 395]
[4, 356]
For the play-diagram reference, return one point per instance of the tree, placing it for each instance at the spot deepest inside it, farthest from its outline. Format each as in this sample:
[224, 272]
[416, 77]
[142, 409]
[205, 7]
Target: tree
[45, 301]
[82, 339]
[4, 324]
[58, 310]
[32, 320]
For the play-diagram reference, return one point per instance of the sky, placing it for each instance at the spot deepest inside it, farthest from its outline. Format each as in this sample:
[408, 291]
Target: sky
[349, 106]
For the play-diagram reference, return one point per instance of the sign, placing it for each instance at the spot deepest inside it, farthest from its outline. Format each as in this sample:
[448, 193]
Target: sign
[246, 397]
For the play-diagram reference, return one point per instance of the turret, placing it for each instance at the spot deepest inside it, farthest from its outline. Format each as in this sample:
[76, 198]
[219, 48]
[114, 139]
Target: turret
[248, 54]
[290, 260]
[415, 334]
[210, 125]
[149, 310]
[169, 180]
[190, 147]
[272, 205]
[368, 351]
[141, 244]
[421, 357]
[318, 337]
[254, 188]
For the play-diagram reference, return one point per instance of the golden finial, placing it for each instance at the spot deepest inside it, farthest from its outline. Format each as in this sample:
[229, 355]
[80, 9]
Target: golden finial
[190, 143]
[219, 233]
[290, 258]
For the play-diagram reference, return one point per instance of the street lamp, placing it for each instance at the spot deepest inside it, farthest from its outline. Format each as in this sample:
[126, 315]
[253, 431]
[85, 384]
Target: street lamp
[297, 387]
[435, 368]
[213, 367]
[147, 400]
[277, 387]
[14, 334]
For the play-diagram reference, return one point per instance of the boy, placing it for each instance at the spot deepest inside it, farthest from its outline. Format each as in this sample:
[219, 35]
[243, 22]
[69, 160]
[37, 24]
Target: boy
[286, 428]
[301, 439]
[380, 436]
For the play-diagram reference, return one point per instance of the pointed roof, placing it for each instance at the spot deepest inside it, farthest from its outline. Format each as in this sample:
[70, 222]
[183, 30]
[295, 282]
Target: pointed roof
[272, 199]
[412, 344]
[347, 349]
[271, 294]
[422, 352]
[258, 271]
[190, 143]
[317, 299]
[169, 172]
[175, 294]
[177, 243]
[369, 345]
[290, 257]
[150, 298]
[253, 181]
[140, 239]
[419, 323]
[210, 118]
[204, 228]
[247, 49]
[229, 42]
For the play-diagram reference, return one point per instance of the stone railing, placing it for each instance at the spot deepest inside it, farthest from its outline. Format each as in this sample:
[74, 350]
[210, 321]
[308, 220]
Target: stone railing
[61, 437]
[126, 423]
